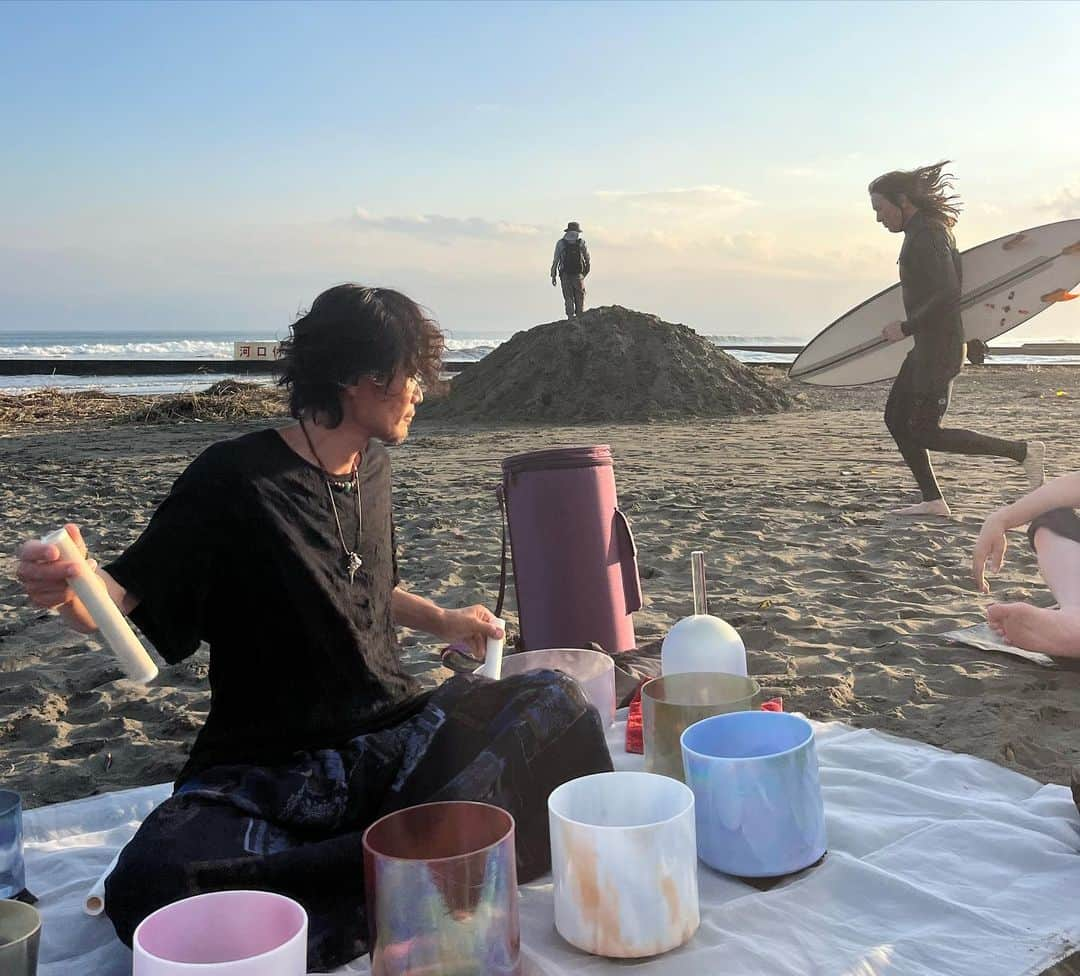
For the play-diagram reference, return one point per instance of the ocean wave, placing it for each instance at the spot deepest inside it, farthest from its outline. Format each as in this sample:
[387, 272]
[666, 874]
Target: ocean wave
[156, 349]
[742, 340]
[468, 352]
[470, 349]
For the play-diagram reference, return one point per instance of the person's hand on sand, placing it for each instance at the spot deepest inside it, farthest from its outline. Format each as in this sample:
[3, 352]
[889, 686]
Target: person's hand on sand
[46, 579]
[893, 332]
[470, 628]
[989, 549]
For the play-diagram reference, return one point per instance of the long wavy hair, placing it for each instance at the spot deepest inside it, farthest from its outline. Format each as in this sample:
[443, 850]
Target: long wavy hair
[352, 331]
[926, 187]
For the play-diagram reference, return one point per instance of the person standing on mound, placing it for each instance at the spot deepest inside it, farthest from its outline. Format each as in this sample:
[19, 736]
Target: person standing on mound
[571, 264]
[1054, 533]
[277, 548]
[918, 204]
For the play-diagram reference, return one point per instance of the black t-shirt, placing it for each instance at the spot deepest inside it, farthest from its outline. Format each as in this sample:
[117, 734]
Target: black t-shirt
[244, 553]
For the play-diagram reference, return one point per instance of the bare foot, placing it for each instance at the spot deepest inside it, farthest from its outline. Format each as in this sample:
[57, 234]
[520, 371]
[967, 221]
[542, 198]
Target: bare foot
[1037, 629]
[937, 507]
[1033, 463]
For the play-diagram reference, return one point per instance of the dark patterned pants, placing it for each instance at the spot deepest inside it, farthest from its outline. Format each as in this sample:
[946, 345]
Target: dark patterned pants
[296, 829]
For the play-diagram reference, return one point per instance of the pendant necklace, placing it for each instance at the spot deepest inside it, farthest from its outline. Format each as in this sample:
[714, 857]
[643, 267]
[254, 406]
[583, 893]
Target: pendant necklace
[353, 559]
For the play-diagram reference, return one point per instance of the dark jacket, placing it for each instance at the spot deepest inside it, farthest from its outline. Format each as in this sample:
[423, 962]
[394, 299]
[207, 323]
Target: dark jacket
[931, 281]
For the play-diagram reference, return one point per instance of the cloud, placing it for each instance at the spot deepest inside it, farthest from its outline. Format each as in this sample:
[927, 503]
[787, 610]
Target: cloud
[1066, 203]
[706, 197]
[757, 253]
[802, 172]
[437, 227]
[824, 169]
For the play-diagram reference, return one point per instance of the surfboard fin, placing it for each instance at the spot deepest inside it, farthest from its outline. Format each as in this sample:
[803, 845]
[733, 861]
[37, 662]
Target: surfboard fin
[1060, 295]
[1071, 248]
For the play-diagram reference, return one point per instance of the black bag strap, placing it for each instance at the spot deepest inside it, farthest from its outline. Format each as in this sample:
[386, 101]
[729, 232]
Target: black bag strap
[500, 494]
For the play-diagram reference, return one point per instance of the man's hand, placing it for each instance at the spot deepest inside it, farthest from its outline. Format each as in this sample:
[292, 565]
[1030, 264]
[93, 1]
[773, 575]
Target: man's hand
[893, 332]
[470, 627]
[989, 549]
[553, 281]
[47, 579]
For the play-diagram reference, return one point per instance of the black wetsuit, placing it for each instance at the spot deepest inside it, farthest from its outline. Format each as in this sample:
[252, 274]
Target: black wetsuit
[930, 277]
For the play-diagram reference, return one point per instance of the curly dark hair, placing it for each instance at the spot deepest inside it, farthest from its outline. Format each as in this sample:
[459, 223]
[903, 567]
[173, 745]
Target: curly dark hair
[352, 331]
[926, 187]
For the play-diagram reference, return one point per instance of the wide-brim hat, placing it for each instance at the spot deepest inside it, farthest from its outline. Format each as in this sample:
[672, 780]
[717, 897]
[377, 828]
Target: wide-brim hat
[573, 225]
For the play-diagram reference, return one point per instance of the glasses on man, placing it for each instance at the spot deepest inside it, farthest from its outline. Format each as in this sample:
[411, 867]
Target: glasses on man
[416, 379]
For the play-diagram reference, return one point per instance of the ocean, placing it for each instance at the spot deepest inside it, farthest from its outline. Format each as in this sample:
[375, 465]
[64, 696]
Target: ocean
[155, 345]
[461, 346]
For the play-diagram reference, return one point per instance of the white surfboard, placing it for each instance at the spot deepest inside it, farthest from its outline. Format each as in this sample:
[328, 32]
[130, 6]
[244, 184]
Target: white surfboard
[1006, 282]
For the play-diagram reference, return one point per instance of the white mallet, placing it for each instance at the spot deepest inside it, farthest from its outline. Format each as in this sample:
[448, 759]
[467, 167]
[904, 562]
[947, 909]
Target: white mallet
[94, 901]
[492, 666]
[88, 586]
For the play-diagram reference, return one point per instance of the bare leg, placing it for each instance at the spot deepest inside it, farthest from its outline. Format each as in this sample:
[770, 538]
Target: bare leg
[1050, 631]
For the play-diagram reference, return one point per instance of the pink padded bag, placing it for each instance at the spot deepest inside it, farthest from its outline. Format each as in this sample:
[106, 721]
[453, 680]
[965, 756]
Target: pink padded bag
[574, 558]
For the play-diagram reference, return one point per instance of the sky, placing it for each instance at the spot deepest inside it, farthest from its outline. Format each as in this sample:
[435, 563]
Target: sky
[214, 166]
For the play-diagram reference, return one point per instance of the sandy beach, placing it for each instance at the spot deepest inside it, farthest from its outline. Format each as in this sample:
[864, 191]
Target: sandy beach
[838, 602]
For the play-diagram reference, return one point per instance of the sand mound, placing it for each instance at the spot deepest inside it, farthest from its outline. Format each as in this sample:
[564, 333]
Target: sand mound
[611, 364]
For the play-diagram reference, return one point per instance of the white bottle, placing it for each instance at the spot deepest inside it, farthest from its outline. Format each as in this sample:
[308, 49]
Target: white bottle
[702, 642]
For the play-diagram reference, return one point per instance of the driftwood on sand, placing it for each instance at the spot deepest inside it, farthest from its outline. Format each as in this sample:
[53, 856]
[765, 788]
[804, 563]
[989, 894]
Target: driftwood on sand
[225, 400]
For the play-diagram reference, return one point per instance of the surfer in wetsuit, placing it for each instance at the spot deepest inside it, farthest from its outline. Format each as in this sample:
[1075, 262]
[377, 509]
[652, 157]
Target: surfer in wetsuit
[918, 204]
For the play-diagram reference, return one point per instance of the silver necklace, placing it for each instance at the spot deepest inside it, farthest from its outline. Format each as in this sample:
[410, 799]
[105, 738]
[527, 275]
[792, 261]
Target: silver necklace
[353, 559]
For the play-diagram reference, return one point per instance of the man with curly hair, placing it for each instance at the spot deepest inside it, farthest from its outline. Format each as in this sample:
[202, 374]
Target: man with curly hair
[315, 729]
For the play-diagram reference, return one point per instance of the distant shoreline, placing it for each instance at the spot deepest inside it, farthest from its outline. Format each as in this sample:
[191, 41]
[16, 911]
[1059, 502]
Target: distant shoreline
[149, 367]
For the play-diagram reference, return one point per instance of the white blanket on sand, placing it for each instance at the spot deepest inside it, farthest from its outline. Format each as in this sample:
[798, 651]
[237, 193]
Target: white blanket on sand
[938, 864]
